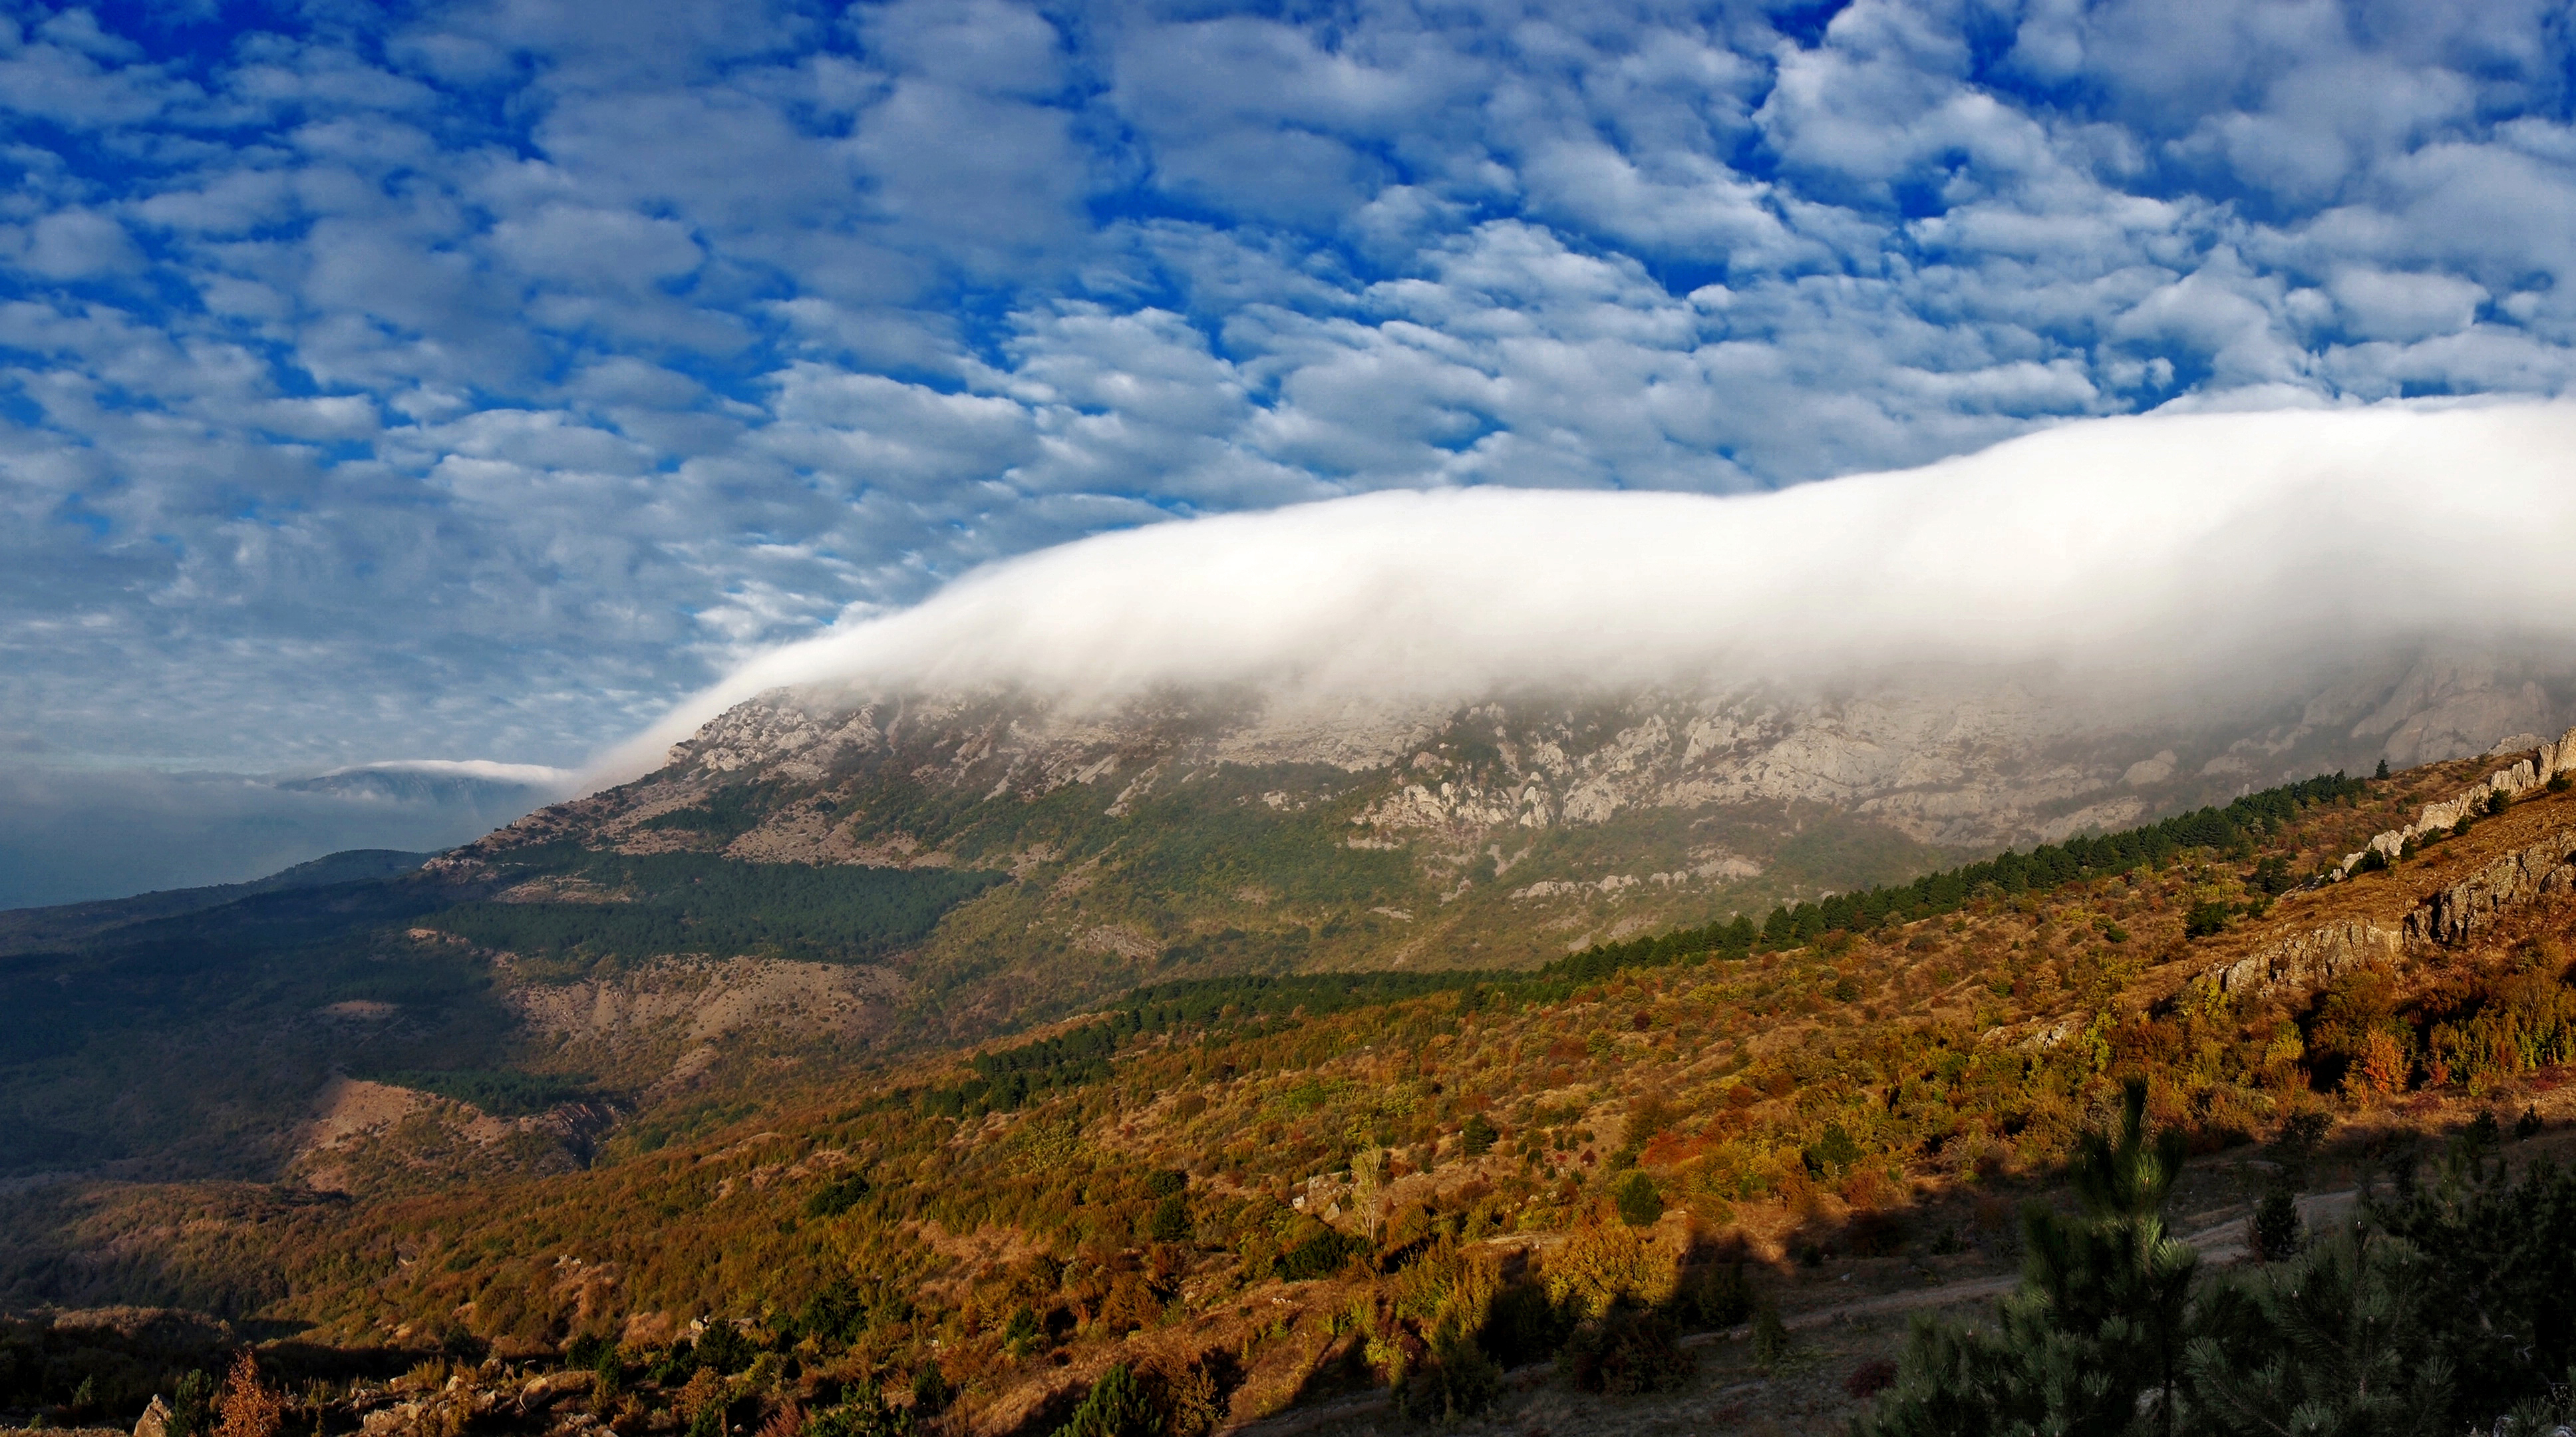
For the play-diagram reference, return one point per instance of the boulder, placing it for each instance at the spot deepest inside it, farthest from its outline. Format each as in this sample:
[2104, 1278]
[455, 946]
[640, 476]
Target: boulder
[155, 1421]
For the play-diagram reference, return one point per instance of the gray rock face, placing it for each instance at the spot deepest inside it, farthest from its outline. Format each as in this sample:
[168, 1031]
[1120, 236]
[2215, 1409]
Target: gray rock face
[2457, 913]
[1968, 762]
[2312, 959]
[2521, 777]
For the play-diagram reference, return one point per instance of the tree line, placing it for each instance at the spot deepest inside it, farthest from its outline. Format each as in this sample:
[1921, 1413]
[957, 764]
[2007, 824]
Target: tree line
[1007, 1078]
[2049, 866]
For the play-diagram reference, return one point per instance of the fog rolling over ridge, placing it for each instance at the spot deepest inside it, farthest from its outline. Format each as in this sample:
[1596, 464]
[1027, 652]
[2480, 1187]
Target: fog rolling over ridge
[2067, 630]
[2135, 574]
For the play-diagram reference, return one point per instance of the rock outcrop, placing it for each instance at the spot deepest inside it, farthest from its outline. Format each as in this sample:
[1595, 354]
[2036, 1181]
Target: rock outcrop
[2530, 773]
[2451, 916]
[2457, 912]
[2312, 959]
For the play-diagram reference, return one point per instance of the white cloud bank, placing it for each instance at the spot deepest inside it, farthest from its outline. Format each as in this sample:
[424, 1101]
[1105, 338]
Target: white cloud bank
[2181, 560]
[535, 776]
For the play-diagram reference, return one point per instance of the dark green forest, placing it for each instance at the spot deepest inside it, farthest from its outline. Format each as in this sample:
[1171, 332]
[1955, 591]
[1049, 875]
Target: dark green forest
[699, 903]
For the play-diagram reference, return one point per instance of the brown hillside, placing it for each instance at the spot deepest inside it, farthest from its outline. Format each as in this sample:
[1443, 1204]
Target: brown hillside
[1267, 1211]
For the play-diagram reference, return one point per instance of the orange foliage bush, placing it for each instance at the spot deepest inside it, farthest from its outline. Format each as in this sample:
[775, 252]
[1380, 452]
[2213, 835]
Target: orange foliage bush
[250, 1407]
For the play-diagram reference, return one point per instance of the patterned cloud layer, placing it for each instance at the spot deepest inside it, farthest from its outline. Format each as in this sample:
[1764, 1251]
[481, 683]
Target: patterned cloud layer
[477, 379]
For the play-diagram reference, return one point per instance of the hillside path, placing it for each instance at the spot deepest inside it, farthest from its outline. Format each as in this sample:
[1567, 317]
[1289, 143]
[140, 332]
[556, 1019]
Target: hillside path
[2219, 1242]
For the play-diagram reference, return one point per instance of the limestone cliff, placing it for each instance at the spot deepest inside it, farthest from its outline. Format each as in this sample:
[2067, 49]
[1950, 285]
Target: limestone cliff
[2312, 959]
[1946, 761]
[2457, 912]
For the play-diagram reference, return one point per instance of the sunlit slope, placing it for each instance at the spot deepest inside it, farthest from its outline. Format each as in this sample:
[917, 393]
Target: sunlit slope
[1823, 1089]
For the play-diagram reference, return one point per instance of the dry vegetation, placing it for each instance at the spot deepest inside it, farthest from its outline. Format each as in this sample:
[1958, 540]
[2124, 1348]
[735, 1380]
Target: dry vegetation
[1510, 1197]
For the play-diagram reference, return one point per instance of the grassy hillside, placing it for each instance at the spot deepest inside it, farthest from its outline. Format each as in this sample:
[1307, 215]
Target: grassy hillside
[1258, 1189]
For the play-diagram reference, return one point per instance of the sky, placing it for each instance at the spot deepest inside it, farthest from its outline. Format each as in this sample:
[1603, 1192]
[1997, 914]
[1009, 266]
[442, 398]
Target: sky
[475, 381]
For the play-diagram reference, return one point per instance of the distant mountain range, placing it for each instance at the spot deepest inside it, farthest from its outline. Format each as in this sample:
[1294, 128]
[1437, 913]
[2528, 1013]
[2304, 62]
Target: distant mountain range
[29, 930]
[69, 835]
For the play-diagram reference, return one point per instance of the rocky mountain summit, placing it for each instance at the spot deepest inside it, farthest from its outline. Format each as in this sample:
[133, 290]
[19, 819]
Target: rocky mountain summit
[1947, 762]
[1186, 833]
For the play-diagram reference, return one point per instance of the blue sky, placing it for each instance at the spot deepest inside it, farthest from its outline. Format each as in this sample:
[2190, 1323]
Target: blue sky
[472, 380]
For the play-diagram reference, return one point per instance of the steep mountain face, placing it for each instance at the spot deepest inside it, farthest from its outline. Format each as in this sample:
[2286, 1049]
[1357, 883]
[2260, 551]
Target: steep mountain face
[1953, 762]
[1187, 833]
[826, 876]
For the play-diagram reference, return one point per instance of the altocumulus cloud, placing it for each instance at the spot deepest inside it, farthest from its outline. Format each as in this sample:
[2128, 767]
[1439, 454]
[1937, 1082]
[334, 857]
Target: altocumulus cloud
[478, 378]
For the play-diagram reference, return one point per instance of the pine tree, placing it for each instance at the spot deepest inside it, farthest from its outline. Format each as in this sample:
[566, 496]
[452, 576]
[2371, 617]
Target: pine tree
[2093, 1341]
[1117, 1406]
[2500, 1272]
[2338, 1341]
[2272, 1234]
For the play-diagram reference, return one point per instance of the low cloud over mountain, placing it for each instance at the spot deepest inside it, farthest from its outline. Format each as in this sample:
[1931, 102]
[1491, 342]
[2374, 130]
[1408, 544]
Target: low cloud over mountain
[2180, 564]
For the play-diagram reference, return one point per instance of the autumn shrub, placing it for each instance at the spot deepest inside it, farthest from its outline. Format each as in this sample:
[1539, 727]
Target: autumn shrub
[2356, 1038]
[1447, 1282]
[1875, 1232]
[834, 1314]
[861, 1412]
[1189, 1394]
[1319, 1255]
[1523, 1324]
[1604, 1262]
[249, 1407]
[1022, 1334]
[1131, 1303]
[1712, 1296]
[1832, 1152]
[837, 1196]
[702, 1391]
[2381, 1067]
[1453, 1380]
[723, 1347]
